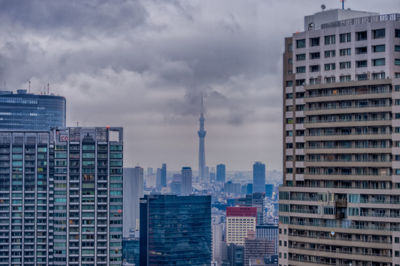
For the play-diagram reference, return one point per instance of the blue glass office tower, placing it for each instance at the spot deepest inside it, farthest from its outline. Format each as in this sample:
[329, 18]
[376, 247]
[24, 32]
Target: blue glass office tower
[221, 173]
[258, 177]
[25, 111]
[175, 230]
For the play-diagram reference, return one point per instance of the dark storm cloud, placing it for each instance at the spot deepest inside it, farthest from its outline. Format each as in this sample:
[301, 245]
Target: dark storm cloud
[144, 64]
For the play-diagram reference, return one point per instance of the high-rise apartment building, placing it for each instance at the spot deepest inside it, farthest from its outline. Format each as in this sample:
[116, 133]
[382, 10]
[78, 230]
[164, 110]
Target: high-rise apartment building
[255, 200]
[27, 111]
[133, 192]
[258, 177]
[239, 222]
[61, 197]
[175, 230]
[88, 170]
[339, 203]
[186, 184]
[221, 173]
[26, 198]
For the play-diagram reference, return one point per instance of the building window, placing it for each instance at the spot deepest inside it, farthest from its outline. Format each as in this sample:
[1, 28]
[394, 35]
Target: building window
[378, 48]
[315, 55]
[330, 53]
[289, 83]
[361, 63]
[361, 36]
[362, 77]
[345, 37]
[344, 65]
[345, 51]
[378, 62]
[314, 68]
[397, 33]
[300, 57]
[361, 50]
[301, 43]
[345, 78]
[300, 82]
[314, 41]
[330, 39]
[397, 88]
[397, 62]
[290, 61]
[376, 76]
[301, 69]
[331, 66]
[397, 48]
[330, 79]
[379, 33]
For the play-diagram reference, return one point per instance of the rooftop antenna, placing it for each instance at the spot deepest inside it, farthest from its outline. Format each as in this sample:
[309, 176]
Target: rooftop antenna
[48, 88]
[342, 4]
[29, 87]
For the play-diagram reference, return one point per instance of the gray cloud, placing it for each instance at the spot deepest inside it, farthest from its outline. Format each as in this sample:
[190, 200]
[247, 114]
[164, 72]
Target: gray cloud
[143, 64]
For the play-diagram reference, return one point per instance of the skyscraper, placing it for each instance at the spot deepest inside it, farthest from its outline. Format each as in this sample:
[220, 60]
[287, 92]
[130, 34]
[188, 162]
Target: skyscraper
[186, 184]
[26, 111]
[221, 173]
[88, 179]
[164, 175]
[133, 192]
[175, 230]
[202, 135]
[26, 179]
[61, 197]
[339, 199]
[258, 177]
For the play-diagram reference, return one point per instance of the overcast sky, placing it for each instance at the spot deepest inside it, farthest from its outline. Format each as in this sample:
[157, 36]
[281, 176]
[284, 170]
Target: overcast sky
[143, 64]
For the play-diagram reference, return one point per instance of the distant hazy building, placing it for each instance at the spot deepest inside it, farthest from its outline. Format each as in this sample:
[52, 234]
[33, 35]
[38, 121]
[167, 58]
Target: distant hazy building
[133, 191]
[158, 179]
[258, 177]
[175, 230]
[186, 184]
[26, 111]
[221, 173]
[232, 188]
[176, 184]
[269, 190]
[239, 222]
[249, 189]
[164, 175]
[254, 200]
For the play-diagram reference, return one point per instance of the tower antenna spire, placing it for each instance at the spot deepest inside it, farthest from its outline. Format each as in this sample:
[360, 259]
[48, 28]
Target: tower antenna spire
[202, 134]
[342, 3]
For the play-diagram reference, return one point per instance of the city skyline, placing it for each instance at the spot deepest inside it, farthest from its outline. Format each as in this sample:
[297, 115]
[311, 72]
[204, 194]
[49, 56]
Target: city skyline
[229, 50]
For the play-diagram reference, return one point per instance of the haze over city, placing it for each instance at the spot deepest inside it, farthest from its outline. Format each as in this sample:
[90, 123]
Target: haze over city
[143, 65]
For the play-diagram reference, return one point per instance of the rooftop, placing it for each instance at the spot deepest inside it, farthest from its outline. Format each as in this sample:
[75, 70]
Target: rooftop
[316, 21]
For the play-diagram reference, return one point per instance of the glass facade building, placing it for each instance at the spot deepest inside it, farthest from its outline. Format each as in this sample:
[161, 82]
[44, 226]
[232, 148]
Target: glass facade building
[258, 177]
[175, 230]
[25, 111]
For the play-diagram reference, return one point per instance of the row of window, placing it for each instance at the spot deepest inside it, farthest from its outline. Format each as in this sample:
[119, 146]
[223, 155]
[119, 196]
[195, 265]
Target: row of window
[345, 52]
[345, 37]
[345, 65]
